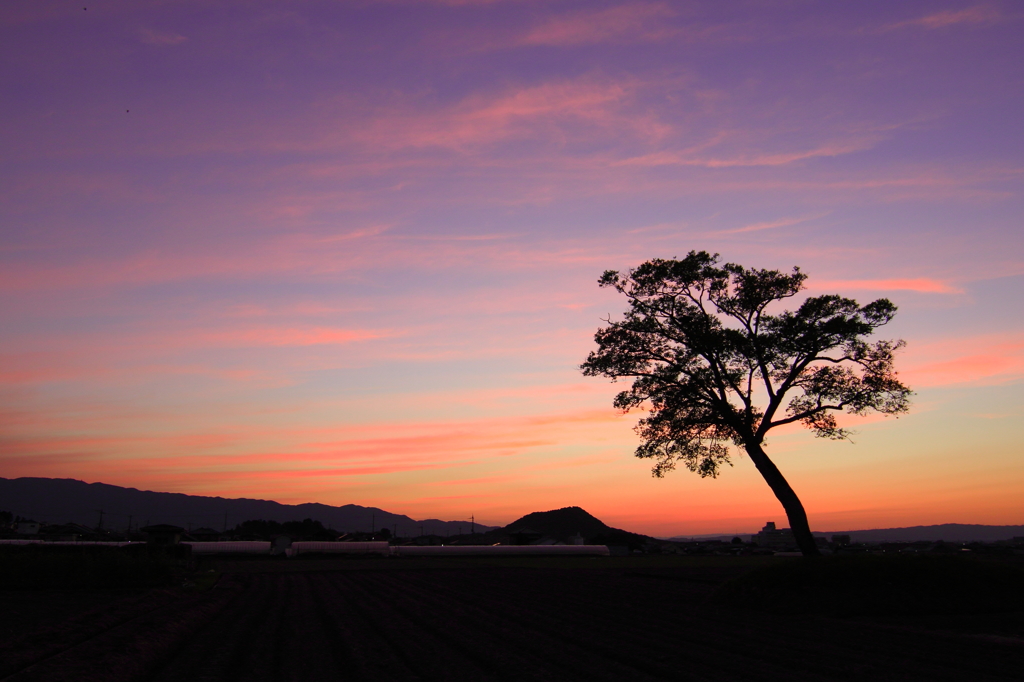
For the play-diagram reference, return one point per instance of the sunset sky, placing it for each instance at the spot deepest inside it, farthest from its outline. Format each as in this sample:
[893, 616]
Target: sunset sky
[347, 252]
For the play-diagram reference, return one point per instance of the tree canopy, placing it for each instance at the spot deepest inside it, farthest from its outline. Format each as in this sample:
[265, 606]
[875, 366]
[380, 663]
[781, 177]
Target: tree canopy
[716, 365]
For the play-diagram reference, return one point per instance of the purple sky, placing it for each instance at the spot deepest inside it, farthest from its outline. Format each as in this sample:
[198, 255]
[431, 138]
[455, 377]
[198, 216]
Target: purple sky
[348, 251]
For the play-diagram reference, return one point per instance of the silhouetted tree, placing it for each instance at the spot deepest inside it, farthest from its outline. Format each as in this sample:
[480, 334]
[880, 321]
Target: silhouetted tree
[715, 365]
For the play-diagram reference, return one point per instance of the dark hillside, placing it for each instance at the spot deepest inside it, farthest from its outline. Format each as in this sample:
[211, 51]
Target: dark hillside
[562, 524]
[945, 532]
[64, 500]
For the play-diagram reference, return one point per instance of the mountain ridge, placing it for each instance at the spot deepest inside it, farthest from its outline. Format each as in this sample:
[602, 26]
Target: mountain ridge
[64, 500]
[945, 532]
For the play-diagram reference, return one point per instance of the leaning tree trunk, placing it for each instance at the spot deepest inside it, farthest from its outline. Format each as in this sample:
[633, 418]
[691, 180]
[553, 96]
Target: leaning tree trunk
[790, 502]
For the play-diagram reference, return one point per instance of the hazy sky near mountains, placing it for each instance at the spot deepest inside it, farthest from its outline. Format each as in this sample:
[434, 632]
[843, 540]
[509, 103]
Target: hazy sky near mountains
[347, 252]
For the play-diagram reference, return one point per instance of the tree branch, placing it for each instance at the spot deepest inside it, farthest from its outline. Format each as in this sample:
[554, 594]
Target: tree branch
[806, 413]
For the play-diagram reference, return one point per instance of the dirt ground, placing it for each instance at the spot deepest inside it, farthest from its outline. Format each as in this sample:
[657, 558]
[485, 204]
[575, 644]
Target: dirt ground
[644, 618]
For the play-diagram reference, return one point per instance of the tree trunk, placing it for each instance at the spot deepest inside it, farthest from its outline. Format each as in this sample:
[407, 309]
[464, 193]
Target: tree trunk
[790, 502]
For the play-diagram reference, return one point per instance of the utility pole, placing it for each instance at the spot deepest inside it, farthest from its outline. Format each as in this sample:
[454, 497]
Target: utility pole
[394, 530]
[373, 524]
[225, 522]
[129, 523]
[472, 524]
[421, 531]
[100, 526]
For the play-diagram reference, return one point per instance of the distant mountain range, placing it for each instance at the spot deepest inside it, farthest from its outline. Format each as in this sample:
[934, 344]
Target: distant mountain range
[66, 500]
[946, 532]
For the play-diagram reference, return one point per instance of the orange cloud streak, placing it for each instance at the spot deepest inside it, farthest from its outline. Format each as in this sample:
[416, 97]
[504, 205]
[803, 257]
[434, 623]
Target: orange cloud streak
[924, 285]
[975, 360]
[358, 450]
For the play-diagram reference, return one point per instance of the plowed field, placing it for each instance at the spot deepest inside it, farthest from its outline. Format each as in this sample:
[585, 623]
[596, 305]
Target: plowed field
[531, 620]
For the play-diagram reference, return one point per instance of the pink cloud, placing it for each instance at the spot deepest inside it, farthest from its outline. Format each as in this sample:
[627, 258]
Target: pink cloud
[283, 336]
[148, 340]
[141, 357]
[635, 22]
[925, 285]
[154, 346]
[414, 138]
[772, 224]
[311, 257]
[553, 110]
[277, 255]
[303, 256]
[975, 361]
[395, 132]
[671, 158]
[598, 178]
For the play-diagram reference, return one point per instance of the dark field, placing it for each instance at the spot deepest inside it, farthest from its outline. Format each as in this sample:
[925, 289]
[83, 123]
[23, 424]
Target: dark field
[630, 618]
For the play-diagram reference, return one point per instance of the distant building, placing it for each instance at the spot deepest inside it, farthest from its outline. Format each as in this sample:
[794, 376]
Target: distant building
[281, 545]
[770, 536]
[26, 528]
[205, 535]
[71, 532]
[524, 536]
[163, 534]
[841, 540]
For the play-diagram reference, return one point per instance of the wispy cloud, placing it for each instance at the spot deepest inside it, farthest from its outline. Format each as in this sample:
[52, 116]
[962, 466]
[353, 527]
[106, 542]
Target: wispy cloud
[284, 336]
[772, 224]
[673, 158]
[634, 22]
[925, 285]
[981, 360]
[339, 453]
[552, 110]
[978, 14]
